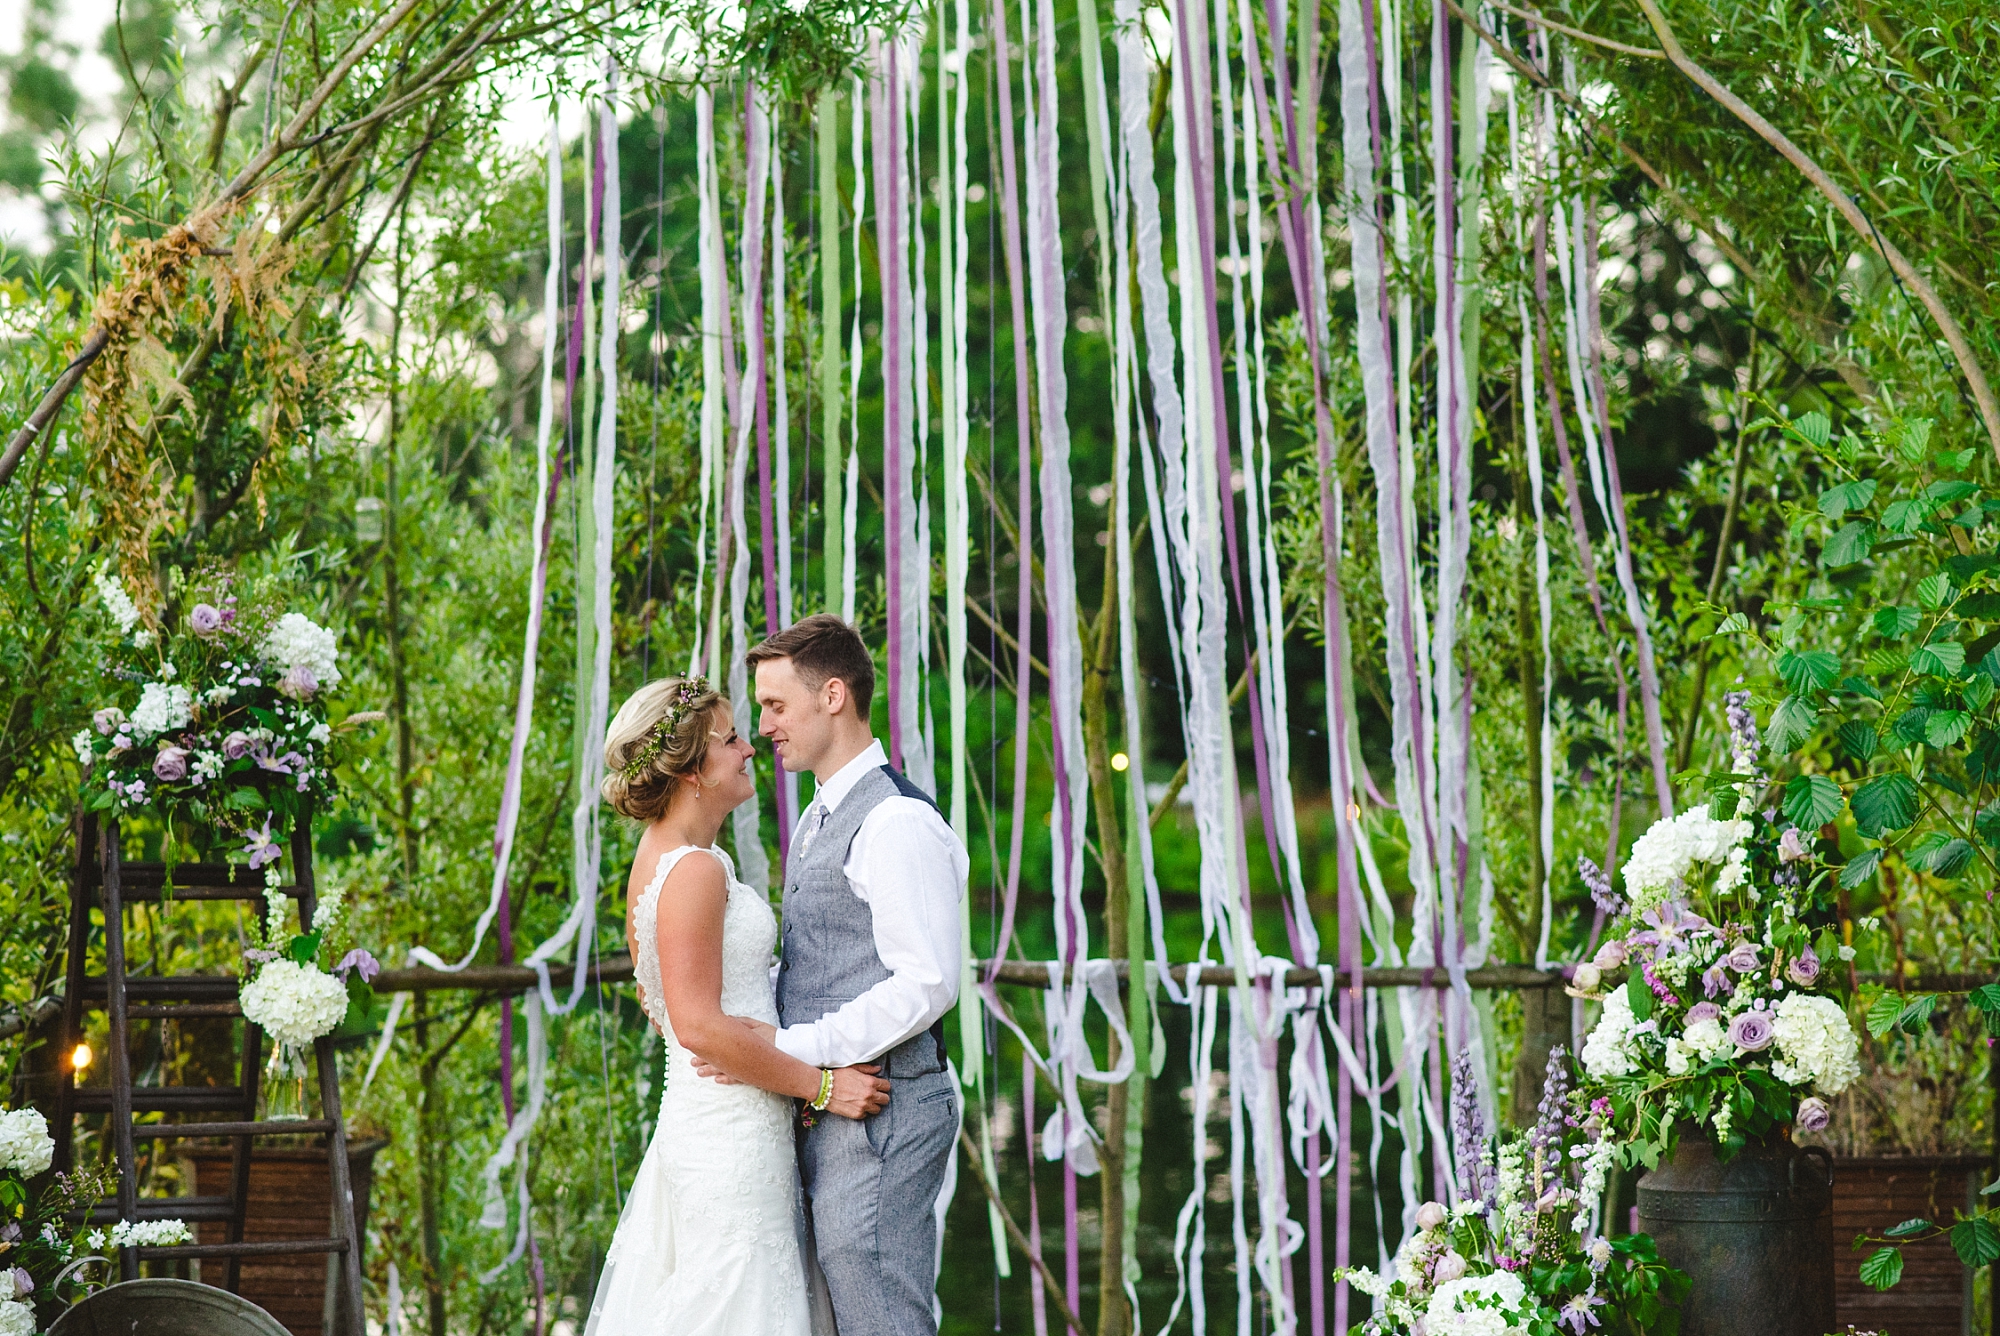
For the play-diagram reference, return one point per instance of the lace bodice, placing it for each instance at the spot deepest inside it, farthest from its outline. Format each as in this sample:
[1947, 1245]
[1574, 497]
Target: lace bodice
[749, 936]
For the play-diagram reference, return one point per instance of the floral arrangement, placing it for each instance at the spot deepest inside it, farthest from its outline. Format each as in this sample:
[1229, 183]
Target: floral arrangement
[1717, 1005]
[221, 716]
[41, 1258]
[1516, 1255]
[289, 995]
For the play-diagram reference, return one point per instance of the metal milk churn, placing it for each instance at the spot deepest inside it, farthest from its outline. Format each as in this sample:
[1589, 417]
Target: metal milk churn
[1755, 1235]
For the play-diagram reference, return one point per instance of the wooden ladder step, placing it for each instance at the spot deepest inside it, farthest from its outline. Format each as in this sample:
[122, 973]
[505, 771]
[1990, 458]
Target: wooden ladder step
[163, 1099]
[192, 987]
[274, 1249]
[171, 1011]
[190, 1209]
[284, 1127]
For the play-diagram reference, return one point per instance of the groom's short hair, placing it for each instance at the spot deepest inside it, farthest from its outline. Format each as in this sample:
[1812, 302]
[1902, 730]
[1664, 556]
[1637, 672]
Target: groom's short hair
[822, 647]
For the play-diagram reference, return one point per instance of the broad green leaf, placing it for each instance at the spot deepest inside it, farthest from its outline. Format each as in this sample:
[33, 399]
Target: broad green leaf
[1886, 662]
[1990, 1188]
[1987, 822]
[1722, 801]
[1950, 859]
[1735, 624]
[1859, 686]
[1860, 868]
[1976, 1241]
[1982, 757]
[1943, 492]
[1942, 658]
[1907, 1228]
[1814, 427]
[1909, 725]
[1814, 670]
[1896, 622]
[1945, 727]
[1849, 544]
[1903, 516]
[1838, 500]
[1914, 437]
[1791, 723]
[1812, 800]
[1934, 590]
[1882, 1013]
[1882, 1269]
[1989, 663]
[1987, 997]
[1887, 802]
[1914, 1017]
[1858, 740]
[1979, 607]
[1978, 690]
[1639, 995]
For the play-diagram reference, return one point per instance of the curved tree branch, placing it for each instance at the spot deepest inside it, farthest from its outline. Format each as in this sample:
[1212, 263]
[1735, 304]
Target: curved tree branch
[1954, 335]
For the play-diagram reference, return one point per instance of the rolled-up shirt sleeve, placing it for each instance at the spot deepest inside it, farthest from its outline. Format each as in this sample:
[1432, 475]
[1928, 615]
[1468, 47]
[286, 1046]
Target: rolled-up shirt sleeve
[909, 867]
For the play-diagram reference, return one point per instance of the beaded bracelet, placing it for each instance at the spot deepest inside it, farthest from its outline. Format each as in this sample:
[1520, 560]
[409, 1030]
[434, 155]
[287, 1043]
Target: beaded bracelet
[825, 1090]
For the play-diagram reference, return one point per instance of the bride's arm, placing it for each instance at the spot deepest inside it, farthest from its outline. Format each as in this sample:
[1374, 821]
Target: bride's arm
[691, 908]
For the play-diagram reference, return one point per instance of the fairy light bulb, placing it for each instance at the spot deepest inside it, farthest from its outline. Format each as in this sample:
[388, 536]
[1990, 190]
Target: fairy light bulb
[81, 1058]
[1120, 762]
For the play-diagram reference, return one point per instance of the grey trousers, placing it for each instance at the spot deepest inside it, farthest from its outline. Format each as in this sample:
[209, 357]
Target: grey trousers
[871, 1188]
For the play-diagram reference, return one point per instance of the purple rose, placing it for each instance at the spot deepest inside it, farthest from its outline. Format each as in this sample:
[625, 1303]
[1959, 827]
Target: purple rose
[235, 745]
[23, 1284]
[1813, 1115]
[1751, 1031]
[1742, 957]
[1610, 955]
[299, 682]
[106, 722]
[1804, 968]
[171, 765]
[1703, 1011]
[204, 620]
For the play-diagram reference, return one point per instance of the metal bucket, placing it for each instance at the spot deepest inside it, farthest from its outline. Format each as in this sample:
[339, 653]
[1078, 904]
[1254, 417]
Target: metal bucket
[1755, 1234]
[165, 1307]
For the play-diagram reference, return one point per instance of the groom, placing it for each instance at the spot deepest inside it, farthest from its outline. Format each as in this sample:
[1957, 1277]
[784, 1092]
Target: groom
[870, 966]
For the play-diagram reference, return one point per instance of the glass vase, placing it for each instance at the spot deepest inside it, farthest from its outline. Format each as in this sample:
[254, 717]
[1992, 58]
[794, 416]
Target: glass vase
[284, 1089]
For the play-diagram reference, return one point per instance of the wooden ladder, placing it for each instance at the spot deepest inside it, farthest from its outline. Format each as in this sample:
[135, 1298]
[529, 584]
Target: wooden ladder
[103, 881]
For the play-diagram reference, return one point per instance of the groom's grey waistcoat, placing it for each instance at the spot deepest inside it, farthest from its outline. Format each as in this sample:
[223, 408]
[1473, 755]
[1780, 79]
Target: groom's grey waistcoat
[829, 954]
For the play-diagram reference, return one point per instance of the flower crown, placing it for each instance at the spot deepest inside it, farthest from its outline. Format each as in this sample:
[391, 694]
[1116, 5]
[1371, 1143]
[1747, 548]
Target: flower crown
[686, 692]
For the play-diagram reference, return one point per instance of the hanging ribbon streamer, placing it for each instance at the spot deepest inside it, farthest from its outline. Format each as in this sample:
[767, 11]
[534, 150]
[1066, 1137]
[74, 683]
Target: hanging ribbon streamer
[715, 408]
[752, 863]
[851, 494]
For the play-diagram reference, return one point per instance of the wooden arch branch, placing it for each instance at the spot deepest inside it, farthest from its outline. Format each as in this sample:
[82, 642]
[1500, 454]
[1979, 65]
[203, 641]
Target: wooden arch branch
[99, 337]
[1954, 335]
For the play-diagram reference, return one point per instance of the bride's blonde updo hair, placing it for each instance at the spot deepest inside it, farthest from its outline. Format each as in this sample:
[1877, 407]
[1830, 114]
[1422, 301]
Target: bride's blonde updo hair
[657, 744]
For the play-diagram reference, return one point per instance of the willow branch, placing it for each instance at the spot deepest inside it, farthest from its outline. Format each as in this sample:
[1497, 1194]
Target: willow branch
[1954, 335]
[1643, 52]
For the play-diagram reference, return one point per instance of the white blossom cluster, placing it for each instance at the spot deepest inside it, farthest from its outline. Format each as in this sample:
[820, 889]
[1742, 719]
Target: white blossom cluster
[1496, 1304]
[1816, 1044]
[162, 708]
[1662, 858]
[139, 1234]
[16, 1318]
[25, 1144]
[296, 641]
[294, 1003]
[1607, 1050]
[116, 601]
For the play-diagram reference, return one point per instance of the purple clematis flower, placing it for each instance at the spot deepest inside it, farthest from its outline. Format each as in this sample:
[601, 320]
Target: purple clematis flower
[262, 848]
[1715, 981]
[1673, 928]
[358, 960]
[1576, 1312]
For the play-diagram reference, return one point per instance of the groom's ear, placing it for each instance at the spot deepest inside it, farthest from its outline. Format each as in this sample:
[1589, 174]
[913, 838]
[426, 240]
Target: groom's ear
[834, 696]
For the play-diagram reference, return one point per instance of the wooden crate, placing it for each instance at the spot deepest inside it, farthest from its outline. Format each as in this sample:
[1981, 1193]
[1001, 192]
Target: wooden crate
[290, 1192]
[1872, 1193]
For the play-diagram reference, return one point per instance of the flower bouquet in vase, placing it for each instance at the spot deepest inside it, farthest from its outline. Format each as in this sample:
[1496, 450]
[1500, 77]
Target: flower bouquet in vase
[296, 1002]
[1521, 1252]
[1721, 1031]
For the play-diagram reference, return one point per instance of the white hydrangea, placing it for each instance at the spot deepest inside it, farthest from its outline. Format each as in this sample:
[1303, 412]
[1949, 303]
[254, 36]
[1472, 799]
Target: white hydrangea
[1705, 1038]
[116, 601]
[1365, 1280]
[85, 754]
[296, 641]
[1662, 858]
[295, 1003]
[1607, 1051]
[162, 707]
[26, 1148]
[1815, 1043]
[16, 1318]
[1677, 1058]
[1467, 1307]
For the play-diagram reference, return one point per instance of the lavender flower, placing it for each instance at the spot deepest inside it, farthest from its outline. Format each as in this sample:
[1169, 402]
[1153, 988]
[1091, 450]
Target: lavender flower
[262, 848]
[204, 620]
[107, 722]
[1610, 955]
[171, 765]
[1599, 886]
[1814, 1115]
[1476, 1174]
[1751, 1031]
[1804, 968]
[1715, 982]
[299, 682]
[1545, 1156]
[1703, 1011]
[1791, 847]
[1576, 1311]
[21, 1282]
[360, 961]
[1743, 741]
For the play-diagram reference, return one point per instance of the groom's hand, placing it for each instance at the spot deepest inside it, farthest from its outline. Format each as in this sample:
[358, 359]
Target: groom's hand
[858, 1092]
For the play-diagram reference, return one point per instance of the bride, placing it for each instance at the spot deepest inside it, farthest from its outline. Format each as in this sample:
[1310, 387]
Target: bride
[709, 1243]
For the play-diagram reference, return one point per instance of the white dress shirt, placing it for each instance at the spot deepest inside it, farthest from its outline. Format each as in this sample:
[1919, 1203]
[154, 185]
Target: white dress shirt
[907, 865]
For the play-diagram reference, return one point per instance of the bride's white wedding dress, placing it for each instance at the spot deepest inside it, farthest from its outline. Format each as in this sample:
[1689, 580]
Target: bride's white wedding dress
[710, 1241]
